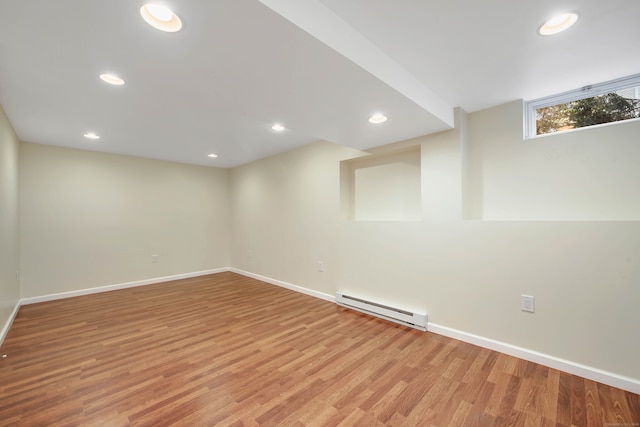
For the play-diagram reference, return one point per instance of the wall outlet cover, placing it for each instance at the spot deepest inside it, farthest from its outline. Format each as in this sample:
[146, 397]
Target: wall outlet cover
[528, 303]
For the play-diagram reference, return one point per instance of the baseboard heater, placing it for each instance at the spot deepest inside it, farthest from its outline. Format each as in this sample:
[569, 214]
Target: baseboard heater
[407, 318]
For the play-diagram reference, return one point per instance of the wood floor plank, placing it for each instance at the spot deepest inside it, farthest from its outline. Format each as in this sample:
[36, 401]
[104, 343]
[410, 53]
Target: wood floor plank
[227, 350]
[563, 414]
[478, 415]
[578, 417]
[593, 412]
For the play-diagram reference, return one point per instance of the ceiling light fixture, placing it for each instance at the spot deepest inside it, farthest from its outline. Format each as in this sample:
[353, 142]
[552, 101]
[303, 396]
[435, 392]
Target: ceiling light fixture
[112, 79]
[277, 127]
[558, 23]
[212, 155]
[161, 17]
[377, 119]
[91, 135]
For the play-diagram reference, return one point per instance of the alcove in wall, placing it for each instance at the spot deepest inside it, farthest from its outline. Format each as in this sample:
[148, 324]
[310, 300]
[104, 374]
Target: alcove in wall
[382, 187]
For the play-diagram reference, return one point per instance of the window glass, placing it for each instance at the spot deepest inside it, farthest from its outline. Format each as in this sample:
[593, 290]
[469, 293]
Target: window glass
[604, 103]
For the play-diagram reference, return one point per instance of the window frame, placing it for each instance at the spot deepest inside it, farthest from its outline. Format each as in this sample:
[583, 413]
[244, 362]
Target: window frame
[530, 107]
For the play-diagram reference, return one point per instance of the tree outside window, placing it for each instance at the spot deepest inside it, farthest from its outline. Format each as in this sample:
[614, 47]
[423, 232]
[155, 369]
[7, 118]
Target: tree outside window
[605, 108]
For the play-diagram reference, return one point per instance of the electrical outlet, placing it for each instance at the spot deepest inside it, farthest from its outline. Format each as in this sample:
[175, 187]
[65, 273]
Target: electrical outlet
[320, 266]
[528, 303]
[155, 259]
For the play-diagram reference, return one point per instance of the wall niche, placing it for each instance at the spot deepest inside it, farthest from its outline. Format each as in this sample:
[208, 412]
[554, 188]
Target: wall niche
[382, 187]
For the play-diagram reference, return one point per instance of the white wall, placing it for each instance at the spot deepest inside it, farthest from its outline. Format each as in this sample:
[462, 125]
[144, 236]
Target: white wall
[586, 174]
[560, 224]
[286, 215]
[468, 275]
[9, 223]
[91, 219]
[386, 187]
[442, 172]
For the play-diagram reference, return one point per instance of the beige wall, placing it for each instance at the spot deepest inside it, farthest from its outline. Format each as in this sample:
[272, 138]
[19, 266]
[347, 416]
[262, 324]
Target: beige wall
[9, 224]
[90, 219]
[586, 174]
[384, 187]
[560, 223]
[442, 172]
[467, 275]
[286, 216]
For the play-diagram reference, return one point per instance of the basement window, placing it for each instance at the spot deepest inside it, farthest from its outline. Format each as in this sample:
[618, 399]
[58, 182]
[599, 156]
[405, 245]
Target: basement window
[608, 102]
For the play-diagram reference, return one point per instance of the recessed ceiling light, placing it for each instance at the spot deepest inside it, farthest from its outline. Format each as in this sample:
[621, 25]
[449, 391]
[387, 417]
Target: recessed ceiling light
[161, 17]
[558, 23]
[112, 79]
[377, 119]
[277, 127]
[91, 135]
[212, 155]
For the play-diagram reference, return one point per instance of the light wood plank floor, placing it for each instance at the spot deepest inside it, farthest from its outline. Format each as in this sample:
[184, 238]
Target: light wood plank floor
[226, 350]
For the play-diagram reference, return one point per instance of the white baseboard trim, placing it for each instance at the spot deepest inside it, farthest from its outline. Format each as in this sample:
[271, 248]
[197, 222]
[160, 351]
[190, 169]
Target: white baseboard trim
[286, 285]
[9, 322]
[619, 381]
[88, 291]
[609, 378]
[595, 374]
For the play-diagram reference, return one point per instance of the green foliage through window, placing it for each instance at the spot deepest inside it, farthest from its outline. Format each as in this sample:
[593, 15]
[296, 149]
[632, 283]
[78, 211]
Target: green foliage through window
[605, 108]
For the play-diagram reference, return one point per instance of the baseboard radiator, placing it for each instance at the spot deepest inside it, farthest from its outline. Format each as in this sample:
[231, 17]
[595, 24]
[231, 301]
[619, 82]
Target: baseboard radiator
[407, 318]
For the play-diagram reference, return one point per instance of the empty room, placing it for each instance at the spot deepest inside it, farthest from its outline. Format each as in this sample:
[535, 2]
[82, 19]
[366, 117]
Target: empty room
[319, 213]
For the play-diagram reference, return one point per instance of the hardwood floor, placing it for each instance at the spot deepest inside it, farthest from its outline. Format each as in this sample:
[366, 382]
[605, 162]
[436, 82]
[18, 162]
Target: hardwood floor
[226, 350]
